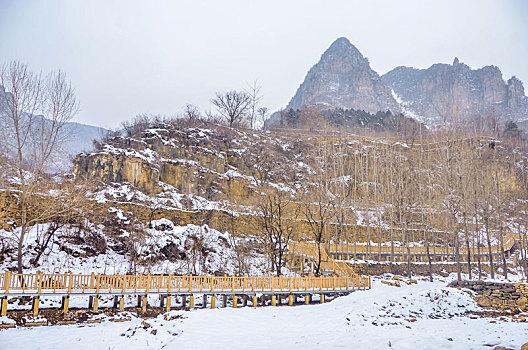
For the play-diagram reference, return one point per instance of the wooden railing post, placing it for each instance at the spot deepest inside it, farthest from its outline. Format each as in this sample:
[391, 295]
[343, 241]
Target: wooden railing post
[39, 282]
[7, 281]
[98, 284]
[70, 283]
[35, 306]
[3, 306]
[123, 287]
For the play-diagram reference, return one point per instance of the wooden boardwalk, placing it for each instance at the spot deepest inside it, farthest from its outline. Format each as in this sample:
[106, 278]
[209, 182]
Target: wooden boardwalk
[331, 251]
[96, 285]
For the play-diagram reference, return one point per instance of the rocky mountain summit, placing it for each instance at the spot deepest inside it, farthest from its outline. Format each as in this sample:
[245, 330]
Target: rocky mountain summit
[441, 93]
[343, 79]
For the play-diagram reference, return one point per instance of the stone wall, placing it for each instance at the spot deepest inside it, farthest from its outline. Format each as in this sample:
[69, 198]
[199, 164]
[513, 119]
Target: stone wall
[401, 269]
[8, 209]
[511, 297]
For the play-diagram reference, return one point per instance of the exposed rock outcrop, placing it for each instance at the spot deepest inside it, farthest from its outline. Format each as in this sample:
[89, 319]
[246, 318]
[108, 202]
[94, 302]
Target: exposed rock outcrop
[441, 93]
[344, 79]
[446, 93]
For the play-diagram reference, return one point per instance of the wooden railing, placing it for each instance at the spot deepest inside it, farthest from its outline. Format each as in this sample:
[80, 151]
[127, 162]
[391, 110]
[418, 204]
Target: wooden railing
[310, 250]
[71, 284]
[509, 241]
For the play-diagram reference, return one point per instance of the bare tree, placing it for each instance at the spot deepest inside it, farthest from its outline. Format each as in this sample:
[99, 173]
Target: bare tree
[33, 114]
[139, 123]
[262, 114]
[233, 106]
[317, 202]
[191, 113]
[72, 208]
[278, 214]
[135, 243]
[255, 96]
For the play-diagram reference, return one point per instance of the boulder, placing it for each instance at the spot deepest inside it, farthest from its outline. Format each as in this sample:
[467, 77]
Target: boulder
[483, 301]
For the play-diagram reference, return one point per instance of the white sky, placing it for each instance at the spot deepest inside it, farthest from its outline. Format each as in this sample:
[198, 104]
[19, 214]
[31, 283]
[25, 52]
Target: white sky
[129, 57]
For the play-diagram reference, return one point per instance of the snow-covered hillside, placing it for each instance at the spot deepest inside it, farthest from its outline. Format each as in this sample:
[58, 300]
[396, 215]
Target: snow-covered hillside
[164, 248]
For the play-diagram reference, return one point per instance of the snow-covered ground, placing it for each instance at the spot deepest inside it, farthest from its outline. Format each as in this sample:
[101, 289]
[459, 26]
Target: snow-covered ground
[422, 316]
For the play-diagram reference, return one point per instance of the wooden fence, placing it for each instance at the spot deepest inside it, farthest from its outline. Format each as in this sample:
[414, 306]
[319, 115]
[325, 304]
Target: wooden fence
[95, 285]
[68, 283]
[362, 251]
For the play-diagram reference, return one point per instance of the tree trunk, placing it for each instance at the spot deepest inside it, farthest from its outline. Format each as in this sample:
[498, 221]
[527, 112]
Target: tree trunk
[522, 254]
[368, 235]
[477, 231]
[503, 253]
[379, 234]
[467, 247]
[408, 249]
[428, 256]
[457, 250]
[45, 245]
[279, 263]
[20, 268]
[319, 258]
[23, 231]
[488, 239]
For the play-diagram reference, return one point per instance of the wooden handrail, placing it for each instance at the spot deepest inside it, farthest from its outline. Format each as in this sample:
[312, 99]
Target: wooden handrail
[68, 283]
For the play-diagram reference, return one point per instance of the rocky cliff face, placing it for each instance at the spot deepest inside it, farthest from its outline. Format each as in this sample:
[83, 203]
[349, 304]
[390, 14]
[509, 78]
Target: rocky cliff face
[213, 165]
[443, 93]
[343, 79]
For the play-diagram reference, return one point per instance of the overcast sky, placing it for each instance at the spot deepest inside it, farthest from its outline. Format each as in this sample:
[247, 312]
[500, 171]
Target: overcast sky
[129, 57]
